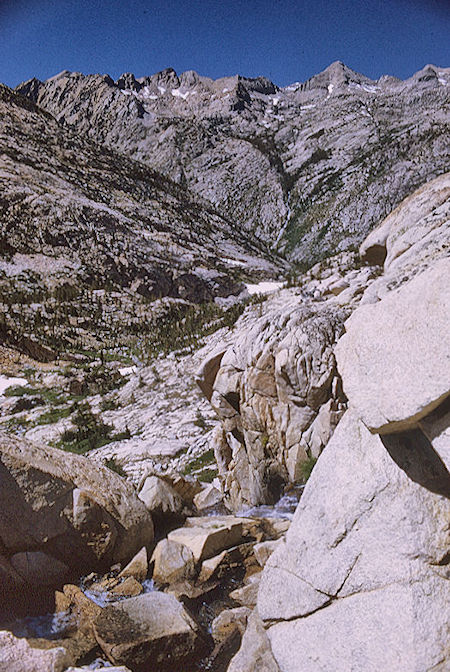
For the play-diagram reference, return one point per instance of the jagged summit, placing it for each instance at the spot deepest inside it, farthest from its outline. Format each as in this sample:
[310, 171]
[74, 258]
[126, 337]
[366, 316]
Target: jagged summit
[303, 167]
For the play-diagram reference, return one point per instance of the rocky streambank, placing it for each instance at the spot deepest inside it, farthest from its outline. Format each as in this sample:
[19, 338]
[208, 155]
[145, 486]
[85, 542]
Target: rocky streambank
[180, 603]
[346, 374]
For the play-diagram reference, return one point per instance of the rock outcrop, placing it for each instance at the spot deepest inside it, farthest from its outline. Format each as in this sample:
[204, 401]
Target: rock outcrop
[17, 655]
[63, 514]
[360, 582]
[276, 388]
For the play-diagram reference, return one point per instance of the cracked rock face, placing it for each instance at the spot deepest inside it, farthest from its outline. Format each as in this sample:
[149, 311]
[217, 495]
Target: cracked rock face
[361, 581]
[268, 391]
[310, 167]
[275, 387]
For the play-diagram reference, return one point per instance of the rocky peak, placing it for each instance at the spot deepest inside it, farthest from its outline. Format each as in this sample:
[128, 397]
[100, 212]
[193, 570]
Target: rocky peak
[189, 78]
[426, 77]
[335, 77]
[259, 85]
[30, 88]
[167, 78]
[128, 81]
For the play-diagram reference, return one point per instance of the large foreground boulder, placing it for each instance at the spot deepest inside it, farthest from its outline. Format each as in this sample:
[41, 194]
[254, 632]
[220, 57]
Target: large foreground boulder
[151, 633]
[64, 514]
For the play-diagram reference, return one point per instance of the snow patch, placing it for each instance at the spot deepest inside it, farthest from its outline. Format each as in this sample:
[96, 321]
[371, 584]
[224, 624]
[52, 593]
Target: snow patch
[330, 89]
[161, 89]
[263, 287]
[6, 382]
[234, 262]
[442, 81]
[128, 370]
[370, 88]
[177, 93]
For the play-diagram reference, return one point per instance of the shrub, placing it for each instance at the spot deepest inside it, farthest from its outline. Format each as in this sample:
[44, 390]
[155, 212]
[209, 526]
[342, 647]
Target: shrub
[90, 432]
[307, 467]
[112, 464]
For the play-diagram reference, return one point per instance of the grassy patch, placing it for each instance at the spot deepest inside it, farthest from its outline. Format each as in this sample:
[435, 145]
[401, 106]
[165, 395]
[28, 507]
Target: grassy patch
[207, 475]
[109, 404]
[112, 464]
[182, 327]
[53, 415]
[89, 431]
[48, 394]
[20, 391]
[307, 467]
[199, 462]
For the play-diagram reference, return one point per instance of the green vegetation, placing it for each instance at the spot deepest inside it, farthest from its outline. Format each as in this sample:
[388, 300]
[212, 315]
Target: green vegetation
[307, 467]
[207, 475]
[48, 394]
[19, 391]
[109, 404]
[183, 326]
[200, 462]
[112, 464]
[200, 421]
[53, 415]
[90, 432]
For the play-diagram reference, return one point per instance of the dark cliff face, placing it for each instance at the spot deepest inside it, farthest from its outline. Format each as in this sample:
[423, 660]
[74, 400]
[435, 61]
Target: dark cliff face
[309, 168]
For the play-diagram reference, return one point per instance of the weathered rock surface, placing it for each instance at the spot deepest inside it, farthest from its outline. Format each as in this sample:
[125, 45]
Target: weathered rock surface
[61, 506]
[255, 654]
[208, 537]
[228, 620]
[360, 580]
[173, 562]
[268, 391]
[394, 356]
[16, 655]
[160, 498]
[151, 632]
[137, 567]
[210, 496]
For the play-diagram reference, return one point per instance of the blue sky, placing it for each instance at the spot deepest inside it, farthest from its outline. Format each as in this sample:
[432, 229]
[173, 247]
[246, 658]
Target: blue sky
[284, 40]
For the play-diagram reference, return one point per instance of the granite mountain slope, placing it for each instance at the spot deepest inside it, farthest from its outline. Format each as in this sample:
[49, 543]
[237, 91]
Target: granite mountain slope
[309, 168]
[90, 238]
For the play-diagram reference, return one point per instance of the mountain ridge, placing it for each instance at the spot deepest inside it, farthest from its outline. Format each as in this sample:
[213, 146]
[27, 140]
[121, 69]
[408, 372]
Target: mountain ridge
[295, 166]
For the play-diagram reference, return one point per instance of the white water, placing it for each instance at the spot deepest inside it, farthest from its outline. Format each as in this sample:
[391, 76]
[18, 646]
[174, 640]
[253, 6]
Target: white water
[284, 508]
[48, 626]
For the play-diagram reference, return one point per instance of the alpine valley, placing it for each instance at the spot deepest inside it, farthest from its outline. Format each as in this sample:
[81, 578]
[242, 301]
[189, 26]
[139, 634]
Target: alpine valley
[225, 373]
